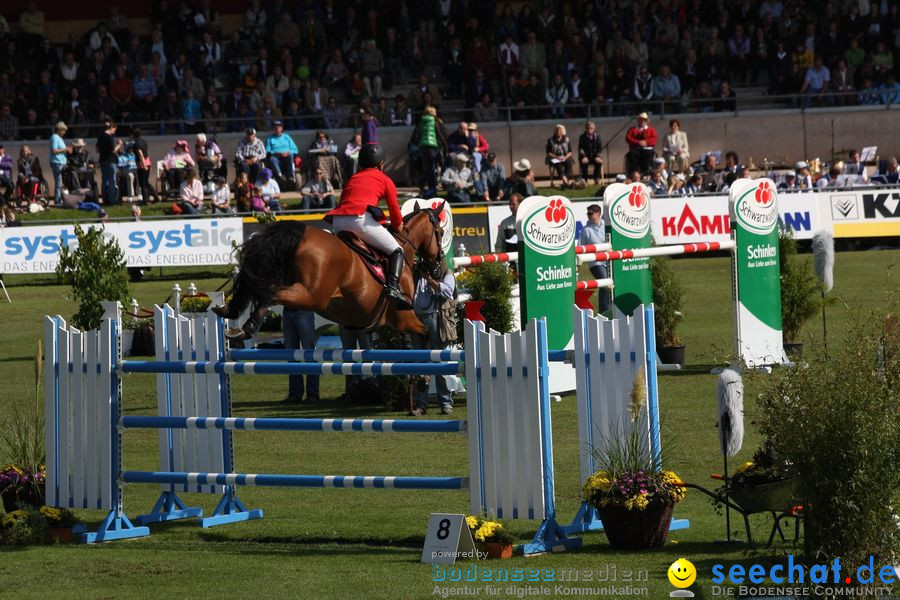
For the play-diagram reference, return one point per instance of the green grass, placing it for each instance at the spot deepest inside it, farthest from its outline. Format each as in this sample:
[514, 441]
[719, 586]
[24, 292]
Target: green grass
[366, 543]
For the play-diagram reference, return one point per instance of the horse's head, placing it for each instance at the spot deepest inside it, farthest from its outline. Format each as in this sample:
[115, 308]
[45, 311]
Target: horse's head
[423, 227]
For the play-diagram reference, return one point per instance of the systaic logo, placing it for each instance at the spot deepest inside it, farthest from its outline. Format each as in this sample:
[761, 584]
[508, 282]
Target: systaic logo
[550, 229]
[843, 207]
[629, 213]
[755, 209]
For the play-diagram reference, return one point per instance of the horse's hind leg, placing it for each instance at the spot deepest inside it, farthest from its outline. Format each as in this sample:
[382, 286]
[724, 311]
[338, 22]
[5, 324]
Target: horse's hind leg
[298, 296]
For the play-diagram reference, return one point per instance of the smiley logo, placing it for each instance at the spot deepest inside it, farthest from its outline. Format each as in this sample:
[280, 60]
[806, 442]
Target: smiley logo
[682, 573]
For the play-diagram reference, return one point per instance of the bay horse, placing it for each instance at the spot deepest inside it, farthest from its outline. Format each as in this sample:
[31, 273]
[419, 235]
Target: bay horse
[307, 268]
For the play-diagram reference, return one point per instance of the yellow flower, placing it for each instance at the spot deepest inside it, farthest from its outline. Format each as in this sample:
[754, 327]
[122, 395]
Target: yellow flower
[472, 521]
[743, 467]
[51, 514]
[10, 518]
[487, 531]
[597, 482]
[673, 481]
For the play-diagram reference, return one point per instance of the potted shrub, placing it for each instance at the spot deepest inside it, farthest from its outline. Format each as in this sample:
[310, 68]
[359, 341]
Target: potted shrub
[800, 292]
[633, 495]
[138, 336]
[21, 486]
[60, 522]
[492, 284]
[668, 295]
[23, 527]
[197, 303]
[490, 537]
[836, 424]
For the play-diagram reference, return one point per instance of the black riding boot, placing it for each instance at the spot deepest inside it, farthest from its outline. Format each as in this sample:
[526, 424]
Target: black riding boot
[392, 286]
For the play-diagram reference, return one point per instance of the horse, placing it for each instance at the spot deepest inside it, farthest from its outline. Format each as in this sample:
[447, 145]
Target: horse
[307, 268]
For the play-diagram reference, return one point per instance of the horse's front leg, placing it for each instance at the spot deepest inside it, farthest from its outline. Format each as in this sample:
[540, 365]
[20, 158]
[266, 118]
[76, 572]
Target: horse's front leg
[237, 335]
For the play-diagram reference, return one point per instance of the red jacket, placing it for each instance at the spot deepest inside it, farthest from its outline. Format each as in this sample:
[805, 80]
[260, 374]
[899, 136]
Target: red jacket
[636, 134]
[482, 146]
[364, 189]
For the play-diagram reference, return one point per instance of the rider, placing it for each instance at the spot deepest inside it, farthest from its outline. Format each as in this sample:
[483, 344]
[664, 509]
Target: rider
[354, 213]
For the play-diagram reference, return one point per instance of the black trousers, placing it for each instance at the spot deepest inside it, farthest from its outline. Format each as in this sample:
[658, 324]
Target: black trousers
[143, 184]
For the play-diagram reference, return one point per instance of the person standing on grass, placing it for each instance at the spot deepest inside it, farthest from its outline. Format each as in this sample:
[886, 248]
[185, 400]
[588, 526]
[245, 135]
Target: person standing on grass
[433, 288]
[58, 160]
[299, 328]
[142, 159]
[594, 232]
[107, 150]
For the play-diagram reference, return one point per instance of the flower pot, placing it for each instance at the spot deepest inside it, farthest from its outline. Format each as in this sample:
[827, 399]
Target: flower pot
[636, 529]
[764, 497]
[794, 349]
[497, 550]
[62, 535]
[13, 496]
[671, 355]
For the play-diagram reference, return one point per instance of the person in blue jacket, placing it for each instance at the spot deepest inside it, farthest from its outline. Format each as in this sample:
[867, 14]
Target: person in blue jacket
[280, 152]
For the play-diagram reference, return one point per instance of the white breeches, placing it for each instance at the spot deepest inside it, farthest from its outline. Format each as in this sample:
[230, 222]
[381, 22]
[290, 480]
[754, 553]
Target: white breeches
[368, 229]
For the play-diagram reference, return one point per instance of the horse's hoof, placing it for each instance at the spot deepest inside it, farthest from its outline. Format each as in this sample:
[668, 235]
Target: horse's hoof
[235, 334]
[220, 311]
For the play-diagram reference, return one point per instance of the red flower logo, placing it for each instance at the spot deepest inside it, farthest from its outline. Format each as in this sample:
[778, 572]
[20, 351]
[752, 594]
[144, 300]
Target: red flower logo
[441, 216]
[556, 212]
[637, 197]
[764, 193]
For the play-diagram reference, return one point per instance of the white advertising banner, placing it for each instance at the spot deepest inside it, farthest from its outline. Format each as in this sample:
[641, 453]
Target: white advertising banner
[169, 243]
[690, 219]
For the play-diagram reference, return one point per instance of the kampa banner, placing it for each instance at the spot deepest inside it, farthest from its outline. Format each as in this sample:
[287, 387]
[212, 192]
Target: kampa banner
[167, 243]
[754, 213]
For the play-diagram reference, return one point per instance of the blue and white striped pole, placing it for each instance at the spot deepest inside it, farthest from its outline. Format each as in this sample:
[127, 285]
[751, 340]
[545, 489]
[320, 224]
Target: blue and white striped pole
[285, 424]
[275, 368]
[350, 355]
[301, 481]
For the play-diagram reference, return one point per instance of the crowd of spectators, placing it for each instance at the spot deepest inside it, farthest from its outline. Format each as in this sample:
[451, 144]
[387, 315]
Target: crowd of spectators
[321, 63]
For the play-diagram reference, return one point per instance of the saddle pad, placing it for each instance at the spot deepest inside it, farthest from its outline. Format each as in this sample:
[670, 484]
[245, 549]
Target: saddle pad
[375, 261]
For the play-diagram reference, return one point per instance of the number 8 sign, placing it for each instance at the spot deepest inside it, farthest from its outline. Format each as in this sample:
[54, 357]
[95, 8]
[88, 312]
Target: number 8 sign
[448, 539]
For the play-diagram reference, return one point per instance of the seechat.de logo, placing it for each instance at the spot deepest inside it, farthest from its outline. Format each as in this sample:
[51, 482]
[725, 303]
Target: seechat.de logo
[682, 574]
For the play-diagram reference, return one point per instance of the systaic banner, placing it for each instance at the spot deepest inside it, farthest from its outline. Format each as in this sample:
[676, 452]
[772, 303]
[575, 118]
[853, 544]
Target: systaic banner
[168, 243]
[757, 272]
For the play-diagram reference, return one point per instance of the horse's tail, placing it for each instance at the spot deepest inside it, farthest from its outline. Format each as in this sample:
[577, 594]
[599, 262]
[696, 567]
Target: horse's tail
[267, 263]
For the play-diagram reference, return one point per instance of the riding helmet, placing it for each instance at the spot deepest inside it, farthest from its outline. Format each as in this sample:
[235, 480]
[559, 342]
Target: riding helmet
[370, 156]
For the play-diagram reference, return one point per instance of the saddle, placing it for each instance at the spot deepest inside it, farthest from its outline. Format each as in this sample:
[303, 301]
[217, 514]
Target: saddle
[374, 260]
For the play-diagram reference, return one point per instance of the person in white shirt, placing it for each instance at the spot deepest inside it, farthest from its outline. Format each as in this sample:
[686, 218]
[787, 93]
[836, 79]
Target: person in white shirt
[856, 167]
[269, 190]
[804, 179]
[222, 197]
[458, 179]
[318, 192]
[191, 194]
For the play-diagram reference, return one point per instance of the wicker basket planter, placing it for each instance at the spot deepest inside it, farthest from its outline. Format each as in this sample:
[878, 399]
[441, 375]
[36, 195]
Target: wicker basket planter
[636, 529]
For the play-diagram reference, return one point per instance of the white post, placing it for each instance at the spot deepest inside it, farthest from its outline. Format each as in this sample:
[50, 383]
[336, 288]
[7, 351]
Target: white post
[176, 298]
